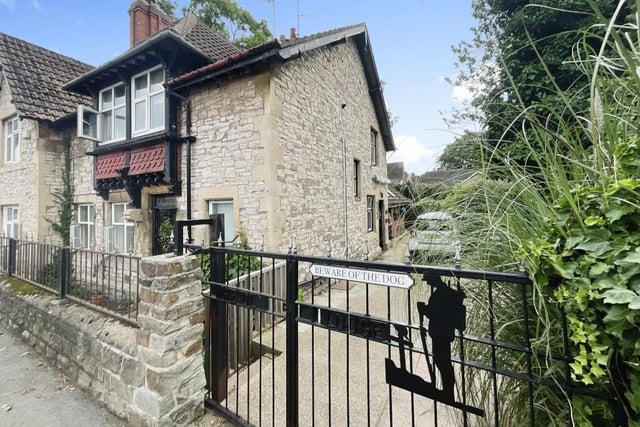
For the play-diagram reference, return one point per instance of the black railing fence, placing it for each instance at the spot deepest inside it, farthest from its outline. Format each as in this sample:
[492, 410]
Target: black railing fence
[105, 282]
[366, 343]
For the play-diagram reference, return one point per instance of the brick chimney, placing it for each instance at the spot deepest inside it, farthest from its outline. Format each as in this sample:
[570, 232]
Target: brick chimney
[146, 19]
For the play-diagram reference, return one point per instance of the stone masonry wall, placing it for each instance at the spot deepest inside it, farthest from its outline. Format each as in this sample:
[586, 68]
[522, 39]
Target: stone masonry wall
[326, 121]
[149, 376]
[273, 143]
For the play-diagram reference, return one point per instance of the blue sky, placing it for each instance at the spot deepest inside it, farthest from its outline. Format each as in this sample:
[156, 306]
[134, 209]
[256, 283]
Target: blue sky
[411, 42]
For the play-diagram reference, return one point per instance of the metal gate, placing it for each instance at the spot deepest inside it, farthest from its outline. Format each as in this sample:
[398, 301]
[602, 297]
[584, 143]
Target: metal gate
[302, 340]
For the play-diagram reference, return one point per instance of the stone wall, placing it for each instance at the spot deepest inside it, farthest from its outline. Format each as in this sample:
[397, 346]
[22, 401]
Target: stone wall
[282, 144]
[149, 376]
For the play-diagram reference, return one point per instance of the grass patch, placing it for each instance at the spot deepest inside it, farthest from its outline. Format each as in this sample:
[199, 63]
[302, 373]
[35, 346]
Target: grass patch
[20, 287]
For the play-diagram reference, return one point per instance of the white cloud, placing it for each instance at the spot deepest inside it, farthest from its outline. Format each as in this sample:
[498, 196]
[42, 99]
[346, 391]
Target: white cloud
[417, 157]
[463, 94]
[9, 4]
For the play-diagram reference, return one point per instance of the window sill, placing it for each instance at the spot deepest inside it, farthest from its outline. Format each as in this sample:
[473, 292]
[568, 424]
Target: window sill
[139, 141]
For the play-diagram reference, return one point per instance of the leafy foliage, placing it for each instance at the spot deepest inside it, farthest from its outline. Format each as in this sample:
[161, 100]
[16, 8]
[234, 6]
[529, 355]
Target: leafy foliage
[463, 153]
[63, 198]
[523, 57]
[236, 264]
[232, 21]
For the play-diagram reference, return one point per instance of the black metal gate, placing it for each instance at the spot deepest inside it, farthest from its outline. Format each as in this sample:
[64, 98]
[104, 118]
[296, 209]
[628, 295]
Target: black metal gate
[297, 340]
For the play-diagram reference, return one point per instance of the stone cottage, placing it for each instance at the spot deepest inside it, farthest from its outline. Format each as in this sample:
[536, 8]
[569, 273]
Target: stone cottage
[288, 140]
[37, 125]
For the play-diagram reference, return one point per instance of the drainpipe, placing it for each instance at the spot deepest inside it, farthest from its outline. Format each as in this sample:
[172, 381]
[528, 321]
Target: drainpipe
[346, 186]
[190, 139]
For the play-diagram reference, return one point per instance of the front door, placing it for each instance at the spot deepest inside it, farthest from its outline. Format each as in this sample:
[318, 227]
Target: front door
[164, 218]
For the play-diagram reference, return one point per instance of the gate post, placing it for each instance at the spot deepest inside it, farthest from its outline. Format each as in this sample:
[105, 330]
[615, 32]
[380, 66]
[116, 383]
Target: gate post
[64, 275]
[218, 327]
[12, 248]
[292, 340]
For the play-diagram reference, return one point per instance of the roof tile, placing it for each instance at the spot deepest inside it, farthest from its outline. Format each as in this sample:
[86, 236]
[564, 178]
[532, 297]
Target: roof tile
[35, 76]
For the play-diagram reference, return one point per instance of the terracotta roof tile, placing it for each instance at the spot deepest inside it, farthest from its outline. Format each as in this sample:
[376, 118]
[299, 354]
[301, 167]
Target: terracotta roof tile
[203, 38]
[147, 160]
[35, 76]
[107, 165]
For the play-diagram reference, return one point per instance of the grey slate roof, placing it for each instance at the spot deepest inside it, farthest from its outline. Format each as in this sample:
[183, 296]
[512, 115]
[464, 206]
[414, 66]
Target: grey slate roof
[35, 76]
[204, 38]
[448, 177]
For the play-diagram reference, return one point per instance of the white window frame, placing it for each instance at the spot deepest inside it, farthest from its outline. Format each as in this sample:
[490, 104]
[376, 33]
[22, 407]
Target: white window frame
[11, 138]
[101, 128]
[11, 221]
[374, 147]
[356, 178]
[116, 227]
[87, 123]
[370, 204]
[146, 98]
[229, 223]
[83, 232]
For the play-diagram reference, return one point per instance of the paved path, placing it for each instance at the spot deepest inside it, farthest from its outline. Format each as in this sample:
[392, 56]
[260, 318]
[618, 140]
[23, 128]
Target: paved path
[34, 394]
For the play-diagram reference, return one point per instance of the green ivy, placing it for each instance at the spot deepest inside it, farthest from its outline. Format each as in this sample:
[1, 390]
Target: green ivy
[235, 264]
[588, 264]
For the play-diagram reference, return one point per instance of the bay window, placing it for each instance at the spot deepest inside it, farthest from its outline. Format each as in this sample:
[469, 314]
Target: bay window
[146, 106]
[113, 114]
[148, 101]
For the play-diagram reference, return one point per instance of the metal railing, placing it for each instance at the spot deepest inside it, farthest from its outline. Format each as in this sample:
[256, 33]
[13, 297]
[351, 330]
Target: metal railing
[381, 343]
[105, 282]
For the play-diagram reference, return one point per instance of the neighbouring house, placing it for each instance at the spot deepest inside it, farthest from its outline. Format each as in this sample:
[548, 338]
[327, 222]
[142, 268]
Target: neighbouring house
[288, 140]
[447, 178]
[37, 126]
[398, 204]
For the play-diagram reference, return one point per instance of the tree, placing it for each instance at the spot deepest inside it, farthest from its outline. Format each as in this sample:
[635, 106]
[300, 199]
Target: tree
[231, 20]
[226, 18]
[522, 56]
[63, 199]
[463, 153]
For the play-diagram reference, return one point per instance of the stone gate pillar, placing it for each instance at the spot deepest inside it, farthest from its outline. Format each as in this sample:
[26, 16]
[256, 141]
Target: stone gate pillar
[171, 316]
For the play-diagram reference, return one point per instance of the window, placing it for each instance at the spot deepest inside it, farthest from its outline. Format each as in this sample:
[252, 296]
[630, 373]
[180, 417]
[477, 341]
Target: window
[113, 114]
[374, 147]
[370, 200]
[10, 221]
[224, 207]
[148, 101]
[356, 178]
[12, 140]
[83, 233]
[146, 106]
[120, 233]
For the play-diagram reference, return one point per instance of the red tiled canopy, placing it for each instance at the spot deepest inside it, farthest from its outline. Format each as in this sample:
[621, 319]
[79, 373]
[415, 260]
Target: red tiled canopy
[147, 160]
[107, 165]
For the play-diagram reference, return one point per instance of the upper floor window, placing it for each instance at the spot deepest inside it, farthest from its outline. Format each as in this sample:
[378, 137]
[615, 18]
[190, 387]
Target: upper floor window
[146, 105]
[10, 221]
[356, 178]
[374, 147]
[148, 101]
[11, 140]
[113, 113]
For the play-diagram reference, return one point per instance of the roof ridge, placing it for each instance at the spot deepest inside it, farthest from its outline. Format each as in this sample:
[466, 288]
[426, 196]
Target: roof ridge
[44, 49]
